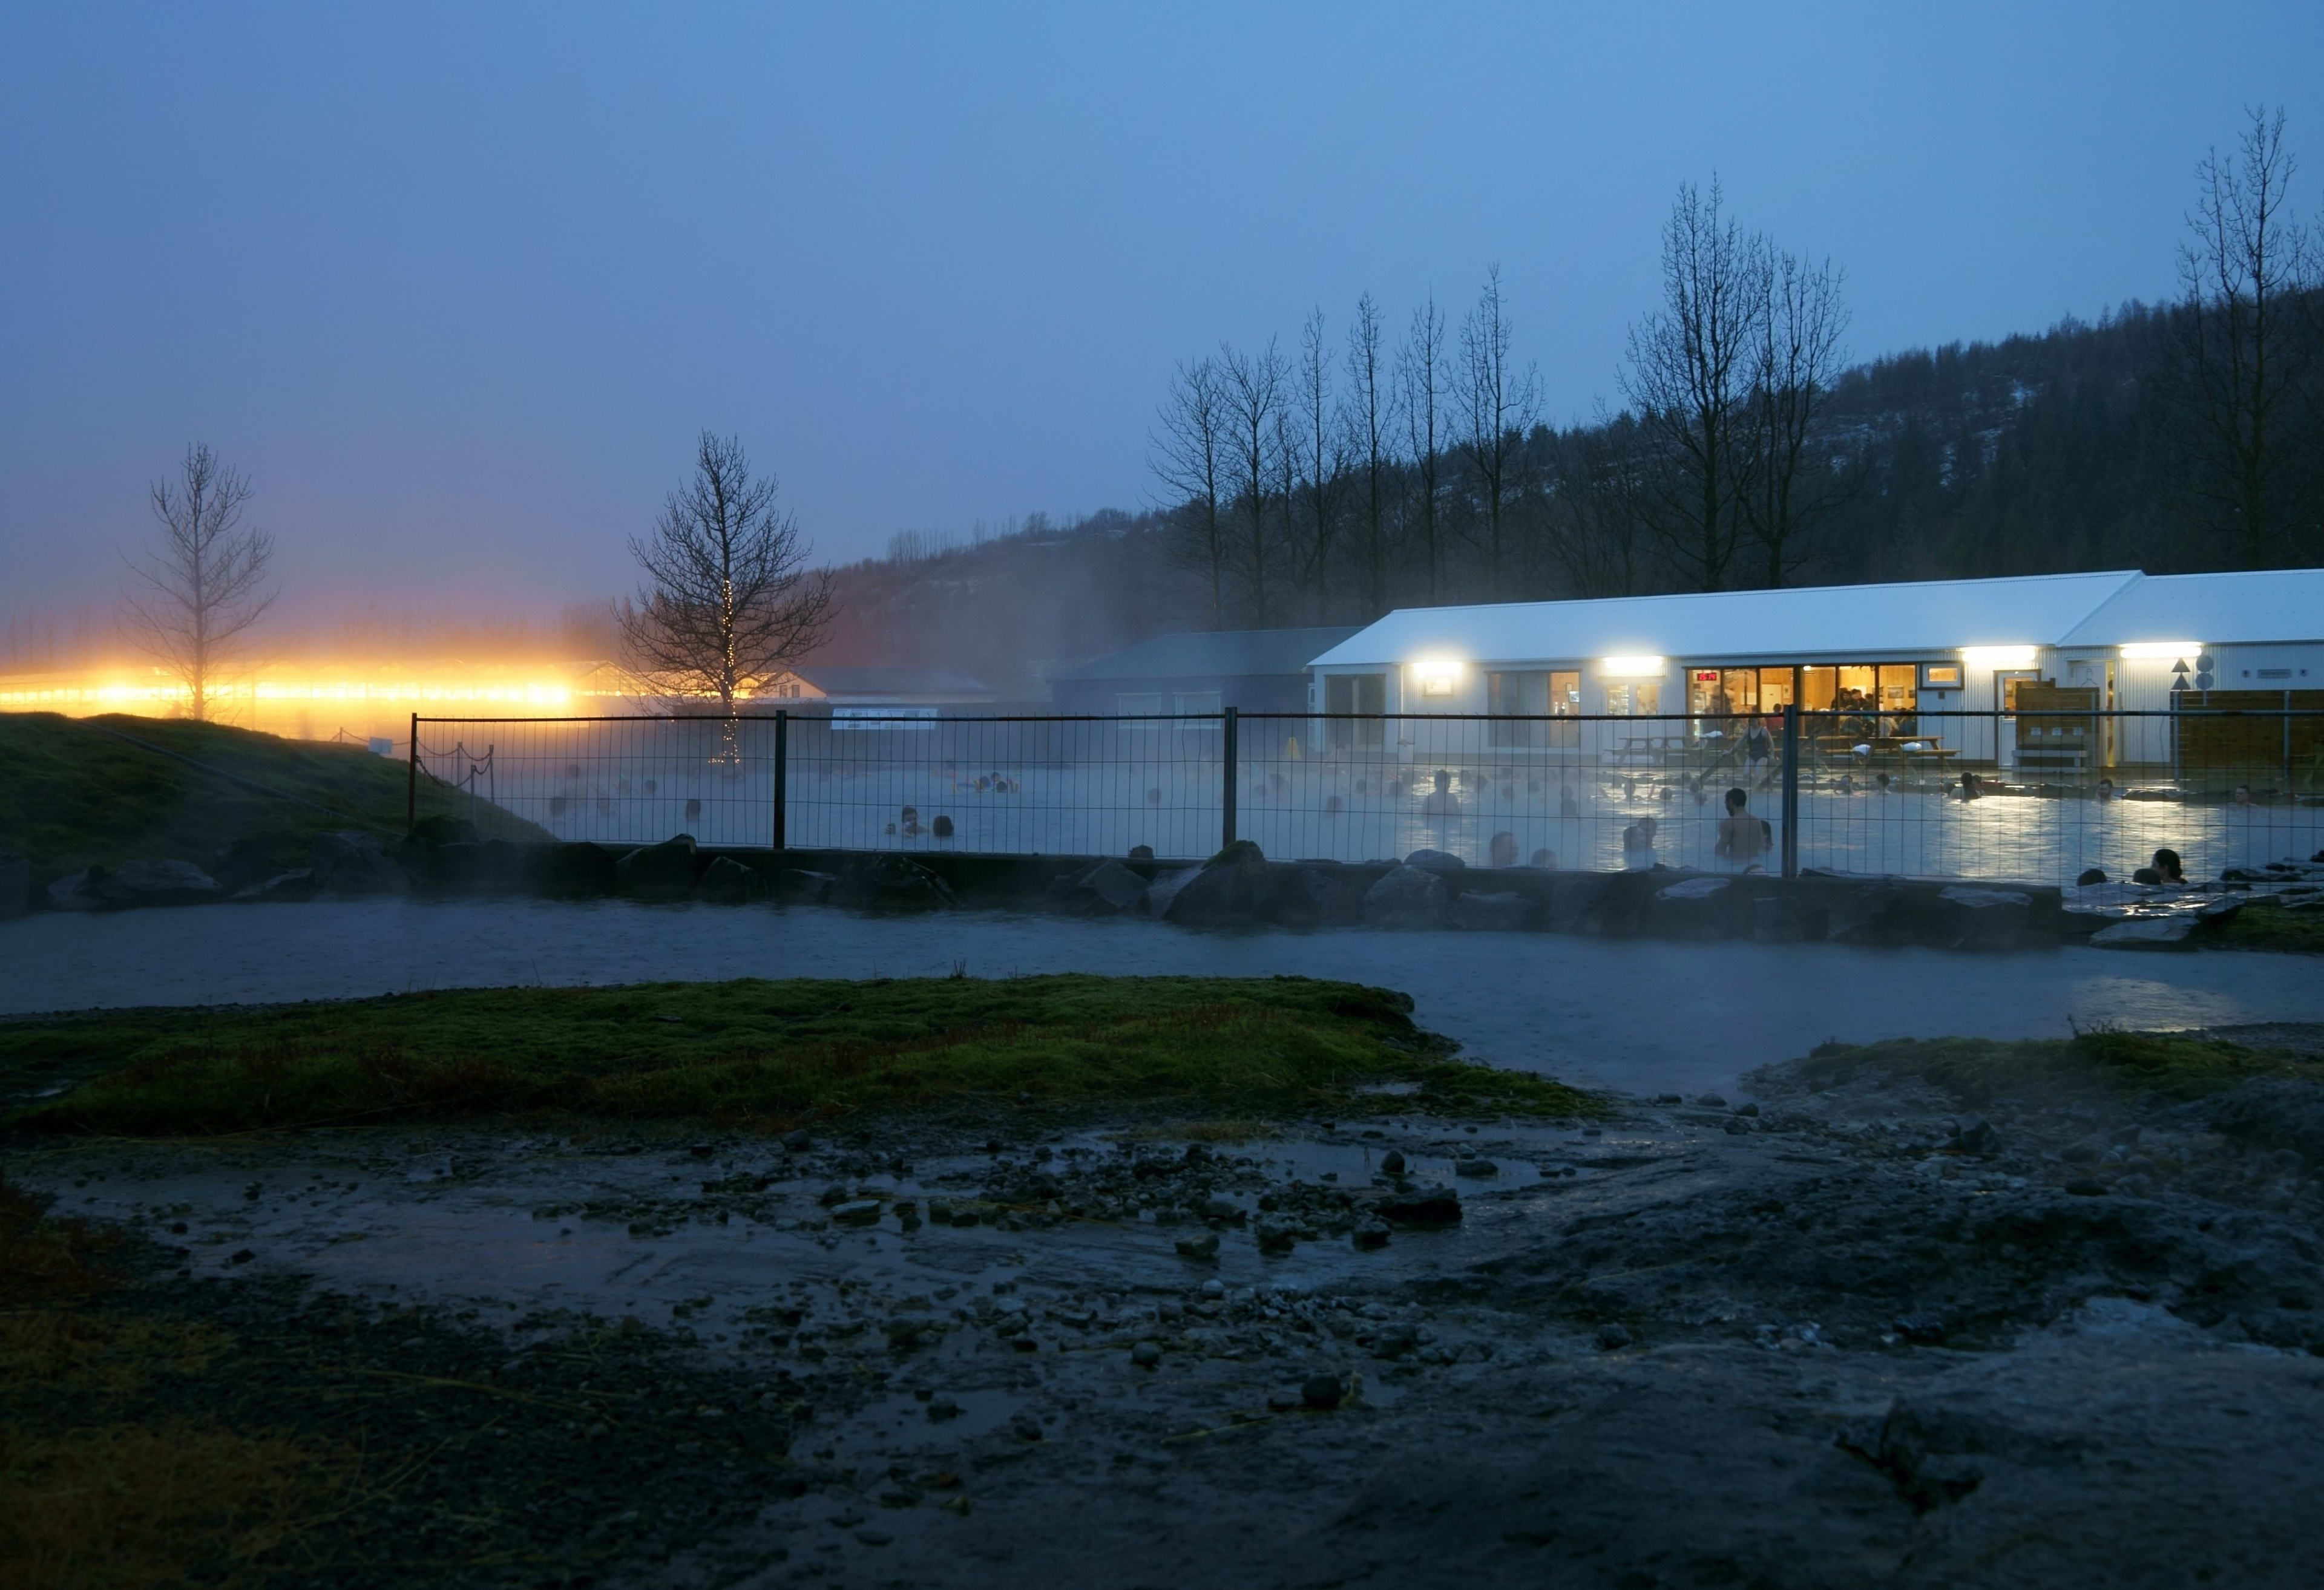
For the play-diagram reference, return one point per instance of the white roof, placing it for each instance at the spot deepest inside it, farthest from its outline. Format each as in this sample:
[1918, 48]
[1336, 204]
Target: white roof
[2215, 610]
[1866, 622]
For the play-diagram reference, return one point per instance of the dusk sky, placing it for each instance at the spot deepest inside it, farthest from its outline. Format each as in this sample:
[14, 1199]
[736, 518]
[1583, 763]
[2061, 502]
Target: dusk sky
[458, 285]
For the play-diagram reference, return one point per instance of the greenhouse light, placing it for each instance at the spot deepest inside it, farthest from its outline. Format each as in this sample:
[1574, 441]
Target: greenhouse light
[2162, 648]
[1999, 657]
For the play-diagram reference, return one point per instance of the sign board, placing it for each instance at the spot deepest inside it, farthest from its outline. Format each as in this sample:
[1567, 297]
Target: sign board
[903, 718]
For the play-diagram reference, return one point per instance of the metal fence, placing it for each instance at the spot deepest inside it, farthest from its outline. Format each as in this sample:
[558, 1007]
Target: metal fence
[2035, 797]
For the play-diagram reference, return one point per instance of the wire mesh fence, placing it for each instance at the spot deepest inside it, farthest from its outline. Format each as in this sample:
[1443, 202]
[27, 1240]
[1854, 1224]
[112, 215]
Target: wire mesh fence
[2034, 797]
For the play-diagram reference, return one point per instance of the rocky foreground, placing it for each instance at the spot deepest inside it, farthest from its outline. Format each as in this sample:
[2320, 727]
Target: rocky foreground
[1840, 1335]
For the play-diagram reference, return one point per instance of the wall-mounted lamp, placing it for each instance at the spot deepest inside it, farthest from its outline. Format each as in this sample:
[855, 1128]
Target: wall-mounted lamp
[2000, 656]
[1630, 667]
[1438, 676]
[2163, 648]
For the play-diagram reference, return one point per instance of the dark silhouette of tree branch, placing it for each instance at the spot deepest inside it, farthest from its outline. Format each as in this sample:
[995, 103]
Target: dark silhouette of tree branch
[191, 601]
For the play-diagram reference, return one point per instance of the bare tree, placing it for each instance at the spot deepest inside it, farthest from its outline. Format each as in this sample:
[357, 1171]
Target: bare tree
[1370, 408]
[1190, 457]
[2242, 276]
[191, 601]
[1497, 411]
[1689, 377]
[1420, 395]
[1601, 505]
[729, 602]
[1253, 388]
[1798, 361]
[1323, 462]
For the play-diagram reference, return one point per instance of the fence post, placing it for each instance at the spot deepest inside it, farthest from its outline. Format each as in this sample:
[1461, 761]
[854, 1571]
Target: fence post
[1791, 789]
[1227, 789]
[411, 781]
[782, 769]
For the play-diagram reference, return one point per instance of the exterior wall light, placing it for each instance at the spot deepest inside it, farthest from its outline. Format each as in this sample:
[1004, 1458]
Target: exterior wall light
[2163, 648]
[1630, 667]
[2000, 656]
[1438, 676]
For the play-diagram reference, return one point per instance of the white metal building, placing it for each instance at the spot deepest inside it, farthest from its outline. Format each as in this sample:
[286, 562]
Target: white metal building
[1897, 650]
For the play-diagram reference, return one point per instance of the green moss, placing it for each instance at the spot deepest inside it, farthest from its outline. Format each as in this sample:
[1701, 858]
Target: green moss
[756, 1053]
[2265, 926]
[75, 794]
[1977, 1070]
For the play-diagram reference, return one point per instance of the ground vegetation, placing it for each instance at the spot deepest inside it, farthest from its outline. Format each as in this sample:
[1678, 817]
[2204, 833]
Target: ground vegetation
[99, 791]
[766, 1054]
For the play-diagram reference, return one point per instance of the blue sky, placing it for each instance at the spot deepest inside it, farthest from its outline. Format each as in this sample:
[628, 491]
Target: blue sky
[457, 285]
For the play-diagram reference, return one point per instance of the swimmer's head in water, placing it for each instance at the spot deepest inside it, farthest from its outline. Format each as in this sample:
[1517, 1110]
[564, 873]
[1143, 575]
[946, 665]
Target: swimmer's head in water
[1443, 780]
[1737, 799]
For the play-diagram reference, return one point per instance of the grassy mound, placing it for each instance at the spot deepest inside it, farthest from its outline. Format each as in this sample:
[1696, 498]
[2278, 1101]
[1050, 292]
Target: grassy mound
[756, 1053]
[75, 794]
[2164, 1065]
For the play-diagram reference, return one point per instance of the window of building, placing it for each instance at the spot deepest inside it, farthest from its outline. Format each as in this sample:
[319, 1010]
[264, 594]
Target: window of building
[1632, 699]
[1565, 702]
[1360, 693]
[1510, 698]
[1197, 711]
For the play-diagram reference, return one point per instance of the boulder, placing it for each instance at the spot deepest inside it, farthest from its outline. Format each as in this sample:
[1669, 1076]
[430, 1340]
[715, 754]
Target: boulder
[888, 882]
[1164, 888]
[76, 891]
[1694, 908]
[658, 872]
[1784, 919]
[727, 882]
[1102, 888]
[1229, 888]
[2146, 932]
[1502, 912]
[1868, 912]
[1436, 861]
[1968, 918]
[441, 829]
[1409, 897]
[796, 883]
[1297, 896]
[1426, 1206]
[250, 859]
[471, 866]
[298, 884]
[16, 885]
[351, 861]
[158, 883]
[577, 871]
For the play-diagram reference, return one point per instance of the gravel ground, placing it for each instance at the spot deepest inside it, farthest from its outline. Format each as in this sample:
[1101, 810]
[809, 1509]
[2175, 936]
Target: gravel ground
[1841, 1337]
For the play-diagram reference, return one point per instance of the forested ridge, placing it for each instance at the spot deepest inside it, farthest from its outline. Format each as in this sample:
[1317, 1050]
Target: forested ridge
[2044, 453]
[1362, 471]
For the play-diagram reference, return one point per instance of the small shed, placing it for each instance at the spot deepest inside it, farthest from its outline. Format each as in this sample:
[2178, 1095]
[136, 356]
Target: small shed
[849, 686]
[1251, 670]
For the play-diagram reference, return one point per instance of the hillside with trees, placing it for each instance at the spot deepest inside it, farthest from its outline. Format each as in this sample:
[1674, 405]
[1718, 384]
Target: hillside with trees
[1361, 471]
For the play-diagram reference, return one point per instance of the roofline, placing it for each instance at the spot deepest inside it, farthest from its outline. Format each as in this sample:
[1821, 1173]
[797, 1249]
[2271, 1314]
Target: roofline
[1786, 591]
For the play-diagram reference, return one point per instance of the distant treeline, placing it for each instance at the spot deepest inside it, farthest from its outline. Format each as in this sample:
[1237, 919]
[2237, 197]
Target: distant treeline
[1359, 474]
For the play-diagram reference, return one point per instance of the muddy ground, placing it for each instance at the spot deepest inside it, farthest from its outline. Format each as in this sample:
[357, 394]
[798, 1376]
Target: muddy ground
[1840, 1337]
